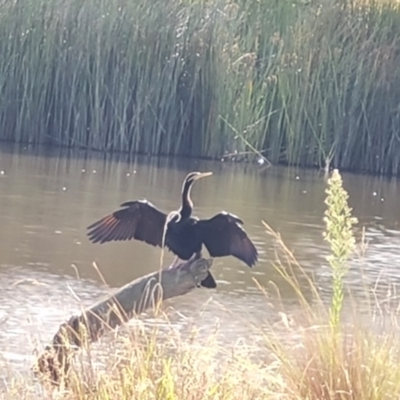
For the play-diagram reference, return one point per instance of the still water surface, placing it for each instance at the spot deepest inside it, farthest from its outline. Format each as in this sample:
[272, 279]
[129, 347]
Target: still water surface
[48, 198]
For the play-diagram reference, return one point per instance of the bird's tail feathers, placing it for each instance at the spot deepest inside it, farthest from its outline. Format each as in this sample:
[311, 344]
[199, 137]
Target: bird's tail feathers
[209, 282]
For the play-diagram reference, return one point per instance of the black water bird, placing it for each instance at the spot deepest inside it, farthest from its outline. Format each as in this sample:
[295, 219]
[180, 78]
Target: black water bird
[222, 234]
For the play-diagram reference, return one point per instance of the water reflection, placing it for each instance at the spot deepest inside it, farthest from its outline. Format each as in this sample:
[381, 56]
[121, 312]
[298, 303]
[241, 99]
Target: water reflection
[48, 199]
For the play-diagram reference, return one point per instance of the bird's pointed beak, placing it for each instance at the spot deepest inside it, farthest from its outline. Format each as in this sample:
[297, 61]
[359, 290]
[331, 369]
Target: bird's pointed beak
[202, 175]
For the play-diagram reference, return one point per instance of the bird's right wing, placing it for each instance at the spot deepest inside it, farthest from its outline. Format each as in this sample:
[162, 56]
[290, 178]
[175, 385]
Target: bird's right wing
[223, 235]
[138, 220]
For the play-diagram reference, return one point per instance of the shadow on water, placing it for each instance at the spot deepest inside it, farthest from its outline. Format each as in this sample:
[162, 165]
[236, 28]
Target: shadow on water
[48, 197]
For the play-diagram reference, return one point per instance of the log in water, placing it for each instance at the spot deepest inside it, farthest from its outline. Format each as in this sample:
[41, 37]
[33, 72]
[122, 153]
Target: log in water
[130, 300]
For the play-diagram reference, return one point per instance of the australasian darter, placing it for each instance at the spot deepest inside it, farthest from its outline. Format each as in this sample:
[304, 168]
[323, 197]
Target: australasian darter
[222, 234]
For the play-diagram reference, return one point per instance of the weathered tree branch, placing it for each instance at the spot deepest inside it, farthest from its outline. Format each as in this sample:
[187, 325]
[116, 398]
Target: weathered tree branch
[132, 299]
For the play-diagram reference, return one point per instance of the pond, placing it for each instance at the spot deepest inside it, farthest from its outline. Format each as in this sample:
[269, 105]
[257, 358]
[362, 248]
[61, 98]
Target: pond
[48, 198]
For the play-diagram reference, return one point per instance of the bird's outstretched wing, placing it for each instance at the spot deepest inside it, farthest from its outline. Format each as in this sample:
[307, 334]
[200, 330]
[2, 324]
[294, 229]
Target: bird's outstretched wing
[138, 220]
[224, 236]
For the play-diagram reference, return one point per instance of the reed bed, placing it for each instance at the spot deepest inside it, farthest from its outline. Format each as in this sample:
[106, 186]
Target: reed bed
[305, 83]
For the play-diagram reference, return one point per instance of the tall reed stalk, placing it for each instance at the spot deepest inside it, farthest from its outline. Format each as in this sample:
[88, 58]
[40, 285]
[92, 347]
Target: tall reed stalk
[339, 234]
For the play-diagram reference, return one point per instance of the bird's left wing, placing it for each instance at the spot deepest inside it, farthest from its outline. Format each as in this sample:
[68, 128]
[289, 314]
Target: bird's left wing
[138, 220]
[223, 236]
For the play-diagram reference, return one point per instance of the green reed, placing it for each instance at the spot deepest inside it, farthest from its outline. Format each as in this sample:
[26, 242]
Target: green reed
[304, 84]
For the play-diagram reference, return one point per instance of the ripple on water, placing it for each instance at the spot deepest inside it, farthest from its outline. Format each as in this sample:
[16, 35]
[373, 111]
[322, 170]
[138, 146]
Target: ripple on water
[34, 303]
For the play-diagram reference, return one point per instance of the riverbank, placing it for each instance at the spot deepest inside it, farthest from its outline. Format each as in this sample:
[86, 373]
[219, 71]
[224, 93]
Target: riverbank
[304, 83]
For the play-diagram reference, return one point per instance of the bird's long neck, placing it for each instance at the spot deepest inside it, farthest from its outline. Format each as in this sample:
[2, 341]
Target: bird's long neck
[187, 204]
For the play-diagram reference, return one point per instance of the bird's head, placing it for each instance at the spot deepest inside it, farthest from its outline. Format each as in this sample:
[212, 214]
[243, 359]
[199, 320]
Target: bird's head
[187, 204]
[194, 176]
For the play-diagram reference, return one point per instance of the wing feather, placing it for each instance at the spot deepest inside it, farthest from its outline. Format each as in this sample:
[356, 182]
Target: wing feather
[138, 220]
[223, 236]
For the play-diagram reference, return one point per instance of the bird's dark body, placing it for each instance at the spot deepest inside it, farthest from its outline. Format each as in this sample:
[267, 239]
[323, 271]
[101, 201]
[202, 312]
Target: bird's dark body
[183, 239]
[185, 235]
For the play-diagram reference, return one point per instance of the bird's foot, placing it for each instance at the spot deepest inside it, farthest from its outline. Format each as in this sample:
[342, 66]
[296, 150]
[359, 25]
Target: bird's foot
[176, 263]
[179, 263]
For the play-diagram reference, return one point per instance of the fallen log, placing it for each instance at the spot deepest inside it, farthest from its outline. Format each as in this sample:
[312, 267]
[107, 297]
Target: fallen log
[130, 300]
